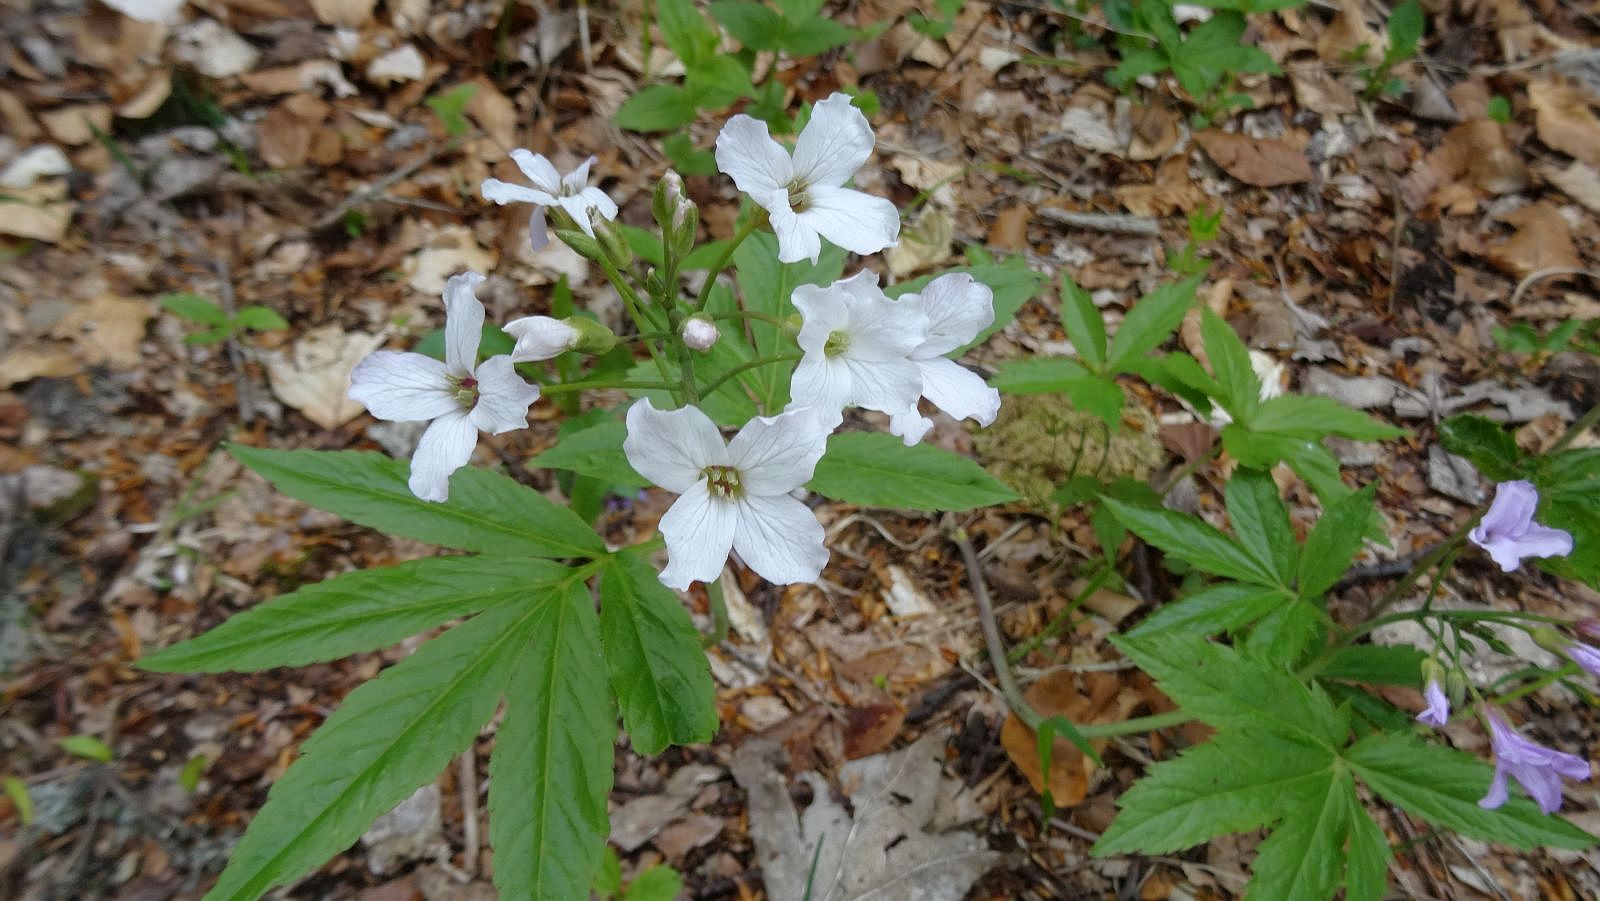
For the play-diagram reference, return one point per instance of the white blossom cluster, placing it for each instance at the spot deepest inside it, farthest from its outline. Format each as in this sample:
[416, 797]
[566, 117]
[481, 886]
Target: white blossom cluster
[859, 348]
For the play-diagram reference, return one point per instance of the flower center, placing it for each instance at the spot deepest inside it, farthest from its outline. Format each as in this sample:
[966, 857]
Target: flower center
[838, 342]
[723, 482]
[465, 389]
[798, 200]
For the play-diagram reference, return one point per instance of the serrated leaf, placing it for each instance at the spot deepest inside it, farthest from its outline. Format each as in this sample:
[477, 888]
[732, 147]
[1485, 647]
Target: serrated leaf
[1366, 875]
[1084, 326]
[754, 25]
[814, 36]
[659, 107]
[1191, 541]
[595, 451]
[685, 30]
[1224, 688]
[358, 611]
[659, 672]
[876, 469]
[1484, 444]
[1303, 859]
[1376, 664]
[551, 769]
[1283, 636]
[1151, 320]
[1261, 522]
[1229, 784]
[1219, 608]
[487, 512]
[1315, 417]
[1443, 786]
[389, 737]
[1334, 541]
[1230, 363]
[717, 81]
[1039, 375]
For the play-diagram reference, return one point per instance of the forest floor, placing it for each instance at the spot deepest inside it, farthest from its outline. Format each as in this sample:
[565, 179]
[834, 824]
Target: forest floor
[282, 153]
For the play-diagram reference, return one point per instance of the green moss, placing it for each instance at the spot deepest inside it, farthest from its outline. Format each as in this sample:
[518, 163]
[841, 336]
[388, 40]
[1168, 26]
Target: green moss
[1038, 441]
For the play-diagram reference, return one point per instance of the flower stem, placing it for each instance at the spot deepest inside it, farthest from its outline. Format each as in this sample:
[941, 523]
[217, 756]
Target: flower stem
[756, 220]
[641, 320]
[1101, 576]
[719, 614]
[1581, 425]
[601, 384]
[1137, 724]
[742, 368]
[991, 635]
[1571, 669]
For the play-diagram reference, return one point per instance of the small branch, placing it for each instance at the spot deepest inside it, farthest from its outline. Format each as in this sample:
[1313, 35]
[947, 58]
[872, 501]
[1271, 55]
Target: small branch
[383, 184]
[1115, 223]
[991, 634]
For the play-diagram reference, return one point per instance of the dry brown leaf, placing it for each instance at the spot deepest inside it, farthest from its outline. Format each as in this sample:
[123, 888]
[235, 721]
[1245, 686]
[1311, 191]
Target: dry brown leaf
[1542, 240]
[107, 329]
[1155, 133]
[1473, 159]
[152, 92]
[352, 13]
[871, 729]
[496, 115]
[1058, 694]
[1564, 121]
[39, 212]
[1172, 190]
[1580, 181]
[76, 124]
[1349, 33]
[1010, 228]
[1262, 162]
[925, 241]
[314, 376]
[23, 363]
[1319, 90]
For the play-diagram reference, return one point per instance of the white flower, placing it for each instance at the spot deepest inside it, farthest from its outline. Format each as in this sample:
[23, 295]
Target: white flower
[958, 307]
[540, 338]
[700, 333]
[460, 395]
[857, 344]
[571, 192]
[734, 495]
[804, 193]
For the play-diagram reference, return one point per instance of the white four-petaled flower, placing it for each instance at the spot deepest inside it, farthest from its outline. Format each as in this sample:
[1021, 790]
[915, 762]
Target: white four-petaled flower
[857, 345]
[958, 307]
[571, 192]
[804, 194]
[459, 395]
[733, 495]
[540, 338]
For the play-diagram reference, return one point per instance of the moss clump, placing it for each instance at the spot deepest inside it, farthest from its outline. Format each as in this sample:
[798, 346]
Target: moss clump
[1037, 439]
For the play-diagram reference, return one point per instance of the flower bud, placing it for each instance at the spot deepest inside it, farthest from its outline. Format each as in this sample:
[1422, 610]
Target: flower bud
[668, 195]
[1432, 671]
[1549, 639]
[1455, 685]
[683, 228]
[612, 241]
[700, 332]
[1588, 628]
[593, 337]
[581, 244]
[540, 338]
[653, 285]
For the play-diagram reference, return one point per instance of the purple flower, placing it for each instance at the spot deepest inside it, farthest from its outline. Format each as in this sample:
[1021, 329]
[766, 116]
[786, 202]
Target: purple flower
[1508, 532]
[1537, 769]
[1438, 712]
[1585, 656]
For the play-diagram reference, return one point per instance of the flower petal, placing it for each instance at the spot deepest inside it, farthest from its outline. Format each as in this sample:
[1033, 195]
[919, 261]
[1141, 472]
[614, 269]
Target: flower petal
[1543, 541]
[1497, 794]
[1541, 784]
[503, 192]
[747, 154]
[958, 307]
[577, 208]
[699, 531]
[888, 386]
[959, 391]
[780, 539]
[600, 200]
[538, 170]
[910, 425]
[463, 322]
[1438, 712]
[797, 239]
[777, 454]
[402, 386]
[880, 328]
[539, 338]
[824, 386]
[1585, 656]
[1502, 550]
[834, 144]
[860, 223]
[672, 447]
[822, 310]
[503, 397]
[445, 447]
[578, 178]
[1512, 509]
[538, 234]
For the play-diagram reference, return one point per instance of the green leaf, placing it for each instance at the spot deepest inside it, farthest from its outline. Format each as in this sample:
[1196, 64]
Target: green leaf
[1376, 664]
[688, 160]
[261, 319]
[754, 25]
[1039, 375]
[194, 307]
[608, 881]
[551, 769]
[493, 341]
[718, 81]
[196, 767]
[487, 512]
[659, 672]
[1261, 522]
[1230, 362]
[1150, 322]
[358, 611]
[1367, 871]
[17, 791]
[767, 286]
[1314, 417]
[659, 107]
[1303, 859]
[1084, 326]
[595, 451]
[1232, 783]
[659, 883]
[389, 737]
[1443, 786]
[1284, 635]
[814, 36]
[1192, 541]
[86, 746]
[209, 336]
[1484, 444]
[1334, 541]
[451, 107]
[1219, 608]
[686, 31]
[875, 469]
[1406, 24]
[1227, 689]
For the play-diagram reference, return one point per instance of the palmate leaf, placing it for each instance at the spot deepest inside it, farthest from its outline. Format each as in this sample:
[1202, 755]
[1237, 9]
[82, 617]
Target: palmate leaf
[389, 737]
[1150, 321]
[876, 469]
[1303, 859]
[551, 769]
[1218, 608]
[355, 612]
[1192, 541]
[659, 672]
[1261, 522]
[1334, 541]
[487, 512]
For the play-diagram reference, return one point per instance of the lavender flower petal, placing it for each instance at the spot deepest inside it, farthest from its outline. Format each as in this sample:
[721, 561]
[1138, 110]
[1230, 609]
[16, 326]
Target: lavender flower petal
[1438, 712]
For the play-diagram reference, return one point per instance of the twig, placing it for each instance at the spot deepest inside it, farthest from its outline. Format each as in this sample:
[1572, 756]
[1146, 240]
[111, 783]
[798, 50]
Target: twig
[247, 406]
[383, 184]
[1542, 274]
[991, 634]
[1115, 223]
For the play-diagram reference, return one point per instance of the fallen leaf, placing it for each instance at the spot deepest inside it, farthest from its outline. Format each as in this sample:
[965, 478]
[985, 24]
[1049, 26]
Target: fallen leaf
[1318, 89]
[403, 63]
[160, 12]
[924, 242]
[1090, 129]
[1542, 240]
[1262, 162]
[1155, 133]
[351, 13]
[451, 250]
[872, 728]
[1171, 191]
[1350, 35]
[75, 125]
[23, 363]
[1010, 228]
[1580, 181]
[213, 50]
[1058, 694]
[1564, 121]
[1474, 159]
[152, 93]
[41, 161]
[107, 329]
[314, 375]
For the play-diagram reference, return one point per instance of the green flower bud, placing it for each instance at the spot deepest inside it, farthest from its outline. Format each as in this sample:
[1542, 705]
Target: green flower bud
[612, 241]
[668, 195]
[593, 337]
[1455, 686]
[1549, 639]
[582, 244]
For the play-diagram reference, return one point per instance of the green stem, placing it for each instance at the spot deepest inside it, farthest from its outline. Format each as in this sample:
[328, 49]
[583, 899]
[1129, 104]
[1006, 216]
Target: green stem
[1583, 424]
[601, 384]
[1426, 563]
[751, 314]
[991, 636]
[1571, 669]
[1064, 618]
[1190, 468]
[755, 221]
[1138, 724]
[641, 320]
[742, 368]
[719, 614]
